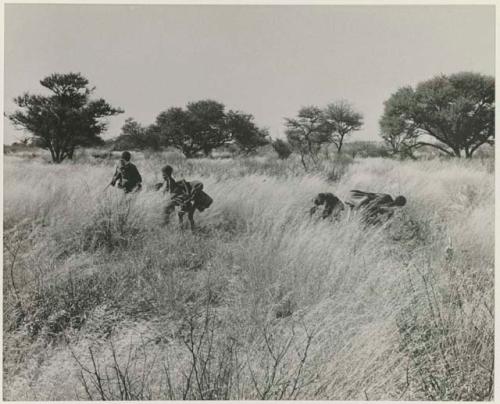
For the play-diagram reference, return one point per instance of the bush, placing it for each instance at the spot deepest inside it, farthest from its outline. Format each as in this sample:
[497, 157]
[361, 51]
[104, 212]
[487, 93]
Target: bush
[366, 149]
[215, 367]
[282, 148]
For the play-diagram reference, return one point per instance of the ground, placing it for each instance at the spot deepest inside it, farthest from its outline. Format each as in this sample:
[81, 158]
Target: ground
[261, 301]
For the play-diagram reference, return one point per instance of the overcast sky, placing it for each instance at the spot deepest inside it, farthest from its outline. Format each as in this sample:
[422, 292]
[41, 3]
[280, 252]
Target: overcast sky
[264, 60]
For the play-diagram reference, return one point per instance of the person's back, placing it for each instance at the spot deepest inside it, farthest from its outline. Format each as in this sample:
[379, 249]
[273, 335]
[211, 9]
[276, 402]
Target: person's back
[130, 177]
[189, 196]
[375, 208]
[127, 175]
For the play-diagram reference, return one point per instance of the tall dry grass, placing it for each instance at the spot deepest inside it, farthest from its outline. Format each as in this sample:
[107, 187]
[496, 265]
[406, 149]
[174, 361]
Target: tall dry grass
[261, 302]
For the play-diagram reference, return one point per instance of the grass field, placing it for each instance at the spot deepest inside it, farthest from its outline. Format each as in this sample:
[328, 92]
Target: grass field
[261, 302]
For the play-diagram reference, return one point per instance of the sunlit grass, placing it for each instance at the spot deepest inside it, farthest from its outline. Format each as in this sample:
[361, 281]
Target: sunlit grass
[400, 312]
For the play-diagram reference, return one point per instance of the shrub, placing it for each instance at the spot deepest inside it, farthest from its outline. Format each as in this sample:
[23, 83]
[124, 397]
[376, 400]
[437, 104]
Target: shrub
[282, 148]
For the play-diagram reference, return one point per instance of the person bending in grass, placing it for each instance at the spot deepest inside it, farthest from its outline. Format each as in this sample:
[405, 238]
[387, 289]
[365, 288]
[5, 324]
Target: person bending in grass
[375, 208]
[189, 196]
[127, 175]
[332, 206]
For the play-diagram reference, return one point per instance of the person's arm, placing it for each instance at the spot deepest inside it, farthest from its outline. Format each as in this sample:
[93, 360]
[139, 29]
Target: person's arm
[350, 204]
[139, 178]
[327, 211]
[186, 188]
[117, 175]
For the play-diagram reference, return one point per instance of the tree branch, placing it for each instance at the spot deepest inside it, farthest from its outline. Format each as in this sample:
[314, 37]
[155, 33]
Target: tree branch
[435, 146]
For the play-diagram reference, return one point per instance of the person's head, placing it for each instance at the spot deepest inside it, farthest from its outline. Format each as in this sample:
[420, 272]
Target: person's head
[327, 199]
[320, 199]
[167, 171]
[125, 157]
[400, 201]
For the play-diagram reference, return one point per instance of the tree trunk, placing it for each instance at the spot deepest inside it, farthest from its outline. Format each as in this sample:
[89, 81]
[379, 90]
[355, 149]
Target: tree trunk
[302, 161]
[327, 155]
[468, 153]
[58, 156]
[52, 154]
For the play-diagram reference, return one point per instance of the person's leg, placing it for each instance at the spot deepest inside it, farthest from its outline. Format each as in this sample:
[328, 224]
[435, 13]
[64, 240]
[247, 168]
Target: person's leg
[191, 217]
[169, 209]
[181, 218]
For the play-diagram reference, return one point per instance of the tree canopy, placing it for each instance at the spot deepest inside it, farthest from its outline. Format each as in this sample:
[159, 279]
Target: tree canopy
[307, 133]
[244, 132]
[66, 119]
[136, 136]
[282, 148]
[204, 125]
[453, 114]
[341, 119]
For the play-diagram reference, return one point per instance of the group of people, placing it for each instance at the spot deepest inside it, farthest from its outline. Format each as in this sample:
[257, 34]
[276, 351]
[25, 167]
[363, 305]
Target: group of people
[188, 196]
[375, 208]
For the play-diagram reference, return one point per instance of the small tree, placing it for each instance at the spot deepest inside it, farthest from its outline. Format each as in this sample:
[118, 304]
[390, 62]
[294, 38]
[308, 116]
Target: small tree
[199, 128]
[172, 128]
[207, 125]
[204, 126]
[243, 131]
[341, 119]
[307, 133]
[65, 120]
[282, 148]
[453, 114]
[136, 136]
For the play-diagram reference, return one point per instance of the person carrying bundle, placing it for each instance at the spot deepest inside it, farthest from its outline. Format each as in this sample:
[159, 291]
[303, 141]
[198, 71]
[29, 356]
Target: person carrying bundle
[189, 196]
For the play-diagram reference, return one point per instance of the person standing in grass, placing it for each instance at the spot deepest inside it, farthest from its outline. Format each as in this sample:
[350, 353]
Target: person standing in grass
[127, 175]
[375, 208]
[189, 196]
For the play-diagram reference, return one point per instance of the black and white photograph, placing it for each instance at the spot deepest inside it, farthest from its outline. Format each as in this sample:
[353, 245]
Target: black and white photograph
[248, 201]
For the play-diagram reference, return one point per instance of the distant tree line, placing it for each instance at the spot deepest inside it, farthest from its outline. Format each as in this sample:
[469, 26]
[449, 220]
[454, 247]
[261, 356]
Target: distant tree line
[68, 118]
[198, 129]
[451, 114]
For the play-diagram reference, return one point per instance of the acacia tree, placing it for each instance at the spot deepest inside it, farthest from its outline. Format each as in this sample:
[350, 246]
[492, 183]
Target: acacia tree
[207, 125]
[453, 114]
[341, 119]
[199, 128]
[243, 131]
[136, 136]
[204, 126]
[64, 120]
[307, 133]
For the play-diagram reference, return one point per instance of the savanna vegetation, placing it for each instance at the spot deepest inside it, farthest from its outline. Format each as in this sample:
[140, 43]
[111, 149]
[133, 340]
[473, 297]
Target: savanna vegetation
[261, 301]
[101, 302]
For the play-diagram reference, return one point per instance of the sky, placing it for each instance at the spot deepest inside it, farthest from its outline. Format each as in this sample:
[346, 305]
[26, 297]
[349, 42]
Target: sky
[268, 61]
